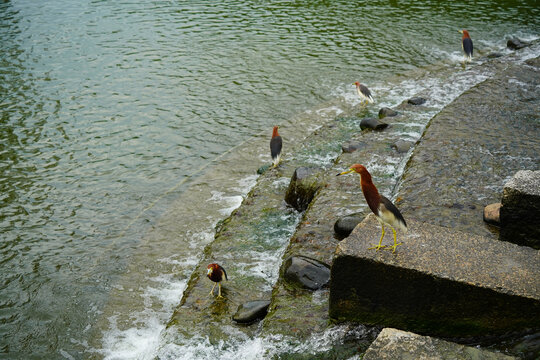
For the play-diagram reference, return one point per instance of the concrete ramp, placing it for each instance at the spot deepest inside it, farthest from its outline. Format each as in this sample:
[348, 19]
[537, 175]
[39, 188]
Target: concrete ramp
[439, 282]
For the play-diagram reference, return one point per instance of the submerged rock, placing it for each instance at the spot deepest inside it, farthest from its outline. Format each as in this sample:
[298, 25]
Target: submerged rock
[494, 55]
[263, 169]
[385, 111]
[305, 183]
[251, 311]
[492, 214]
[516, 44]
[372, 123]
[351, 146]
[346, 224]
[520, 210]
[306, 272]
[398, 344]
[416, 100]
[402, 146]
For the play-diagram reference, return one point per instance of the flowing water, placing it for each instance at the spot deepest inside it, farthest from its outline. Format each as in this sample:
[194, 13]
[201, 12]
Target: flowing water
[129, 129]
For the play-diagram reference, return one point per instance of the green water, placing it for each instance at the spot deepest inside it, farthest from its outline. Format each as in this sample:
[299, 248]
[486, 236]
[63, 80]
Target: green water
[111, 110]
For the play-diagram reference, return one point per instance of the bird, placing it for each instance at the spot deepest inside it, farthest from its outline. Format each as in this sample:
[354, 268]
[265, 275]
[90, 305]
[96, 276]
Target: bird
[216, 274]
[364, 93]
[275, 147]
[467, 45]
[385, 211]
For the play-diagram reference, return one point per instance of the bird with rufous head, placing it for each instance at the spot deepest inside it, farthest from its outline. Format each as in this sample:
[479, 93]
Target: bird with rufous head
[385, 211]
[275, 147]
[364, 93]
[216, 273]
[466, 45]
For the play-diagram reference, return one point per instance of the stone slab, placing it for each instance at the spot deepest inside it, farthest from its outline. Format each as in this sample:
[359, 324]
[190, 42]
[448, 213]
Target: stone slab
[394, 344]
[439, 282]
[520, 210]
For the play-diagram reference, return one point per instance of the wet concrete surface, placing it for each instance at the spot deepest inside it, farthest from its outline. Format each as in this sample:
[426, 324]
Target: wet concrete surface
[472, 147]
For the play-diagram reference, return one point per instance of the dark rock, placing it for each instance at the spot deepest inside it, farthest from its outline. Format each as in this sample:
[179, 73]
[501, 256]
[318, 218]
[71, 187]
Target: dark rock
[345, 225]
[305, 183]
[306, 272]
[440, 282]
[520, 210]
[351, 146]
[492, 214]
[263, 169]
[251, 311]
[516, 44]
[398, 344]
[402, 146]
[527, 347]
[372, 123]
[494, 55]
[416, 100]
[384, 112]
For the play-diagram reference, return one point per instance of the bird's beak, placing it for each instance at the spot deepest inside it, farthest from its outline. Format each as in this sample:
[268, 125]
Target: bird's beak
[209, 271]
[460, 31]
[345, 172]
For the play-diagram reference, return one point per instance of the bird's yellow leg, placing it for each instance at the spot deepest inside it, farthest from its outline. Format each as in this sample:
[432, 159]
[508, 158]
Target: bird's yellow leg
[379, 246]
[219, 291]
[396, 244]
[212, 291]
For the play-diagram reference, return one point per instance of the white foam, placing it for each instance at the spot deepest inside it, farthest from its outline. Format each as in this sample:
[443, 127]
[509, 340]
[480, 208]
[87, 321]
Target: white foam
[239, 346]
[231, 202]
[378, 167]
[330, 112]
[263, 265]
[246, 183]
[321, 160]
[281, 182]
[140, 340]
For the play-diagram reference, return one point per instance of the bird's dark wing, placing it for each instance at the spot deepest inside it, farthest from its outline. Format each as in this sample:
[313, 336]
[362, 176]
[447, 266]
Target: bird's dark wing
[224, 273]
[467, 46]
[393, 209]
[364, 90]
[275, 146]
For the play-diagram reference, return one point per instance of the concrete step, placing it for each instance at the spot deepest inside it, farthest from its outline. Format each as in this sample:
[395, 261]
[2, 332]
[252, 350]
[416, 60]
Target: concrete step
[393, 344]
[439, 282]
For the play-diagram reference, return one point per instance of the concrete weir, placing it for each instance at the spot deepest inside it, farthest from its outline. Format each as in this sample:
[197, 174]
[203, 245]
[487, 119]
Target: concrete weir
[439, 282]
